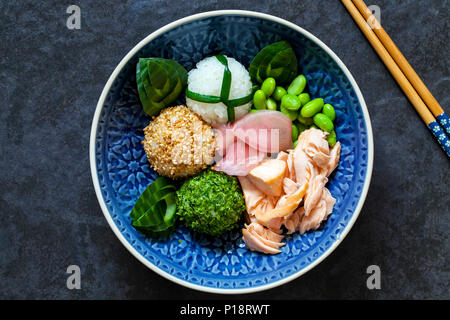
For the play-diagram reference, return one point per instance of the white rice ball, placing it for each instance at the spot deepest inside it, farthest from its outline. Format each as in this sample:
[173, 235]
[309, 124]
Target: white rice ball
[207, 79]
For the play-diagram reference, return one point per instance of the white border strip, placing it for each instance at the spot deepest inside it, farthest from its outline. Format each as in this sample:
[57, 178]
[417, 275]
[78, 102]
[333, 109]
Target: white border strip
[162, 31]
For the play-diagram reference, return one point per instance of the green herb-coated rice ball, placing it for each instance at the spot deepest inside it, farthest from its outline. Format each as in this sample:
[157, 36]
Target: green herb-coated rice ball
[210, 202]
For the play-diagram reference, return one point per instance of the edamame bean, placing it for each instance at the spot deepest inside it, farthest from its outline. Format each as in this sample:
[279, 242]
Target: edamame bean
[268, 86]
[271, 104]
[279, 93]
[291, 114]
[301, 127]
[307, 121]
[253, 111]
[294, 132]
[259, 100]
[323, 122]
[291, 102]
[304, 98]
[331, 138]
[312, 107]
[328, 110]
[313, 126]
[295, 143]
[297, 85]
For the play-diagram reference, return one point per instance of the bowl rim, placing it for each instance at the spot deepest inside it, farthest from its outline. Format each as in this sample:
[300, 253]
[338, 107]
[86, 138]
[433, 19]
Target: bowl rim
[99, 108]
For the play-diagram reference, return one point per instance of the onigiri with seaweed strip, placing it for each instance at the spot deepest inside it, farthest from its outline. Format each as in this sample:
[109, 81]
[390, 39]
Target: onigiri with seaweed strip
[217, 86]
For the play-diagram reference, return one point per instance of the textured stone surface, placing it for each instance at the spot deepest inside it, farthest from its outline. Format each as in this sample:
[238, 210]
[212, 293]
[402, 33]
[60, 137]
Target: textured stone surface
[51, 78]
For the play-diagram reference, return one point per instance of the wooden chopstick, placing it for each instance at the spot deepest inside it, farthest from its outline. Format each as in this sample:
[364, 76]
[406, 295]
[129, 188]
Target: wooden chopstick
[406, 68]
[398, 75]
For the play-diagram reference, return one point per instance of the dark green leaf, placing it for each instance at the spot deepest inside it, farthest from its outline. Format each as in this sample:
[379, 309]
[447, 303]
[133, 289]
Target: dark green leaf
[277, 60]
[160, 82]
[155, 210]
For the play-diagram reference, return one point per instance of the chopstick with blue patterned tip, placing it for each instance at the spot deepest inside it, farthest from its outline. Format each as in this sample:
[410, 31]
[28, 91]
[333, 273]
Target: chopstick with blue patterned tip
[406, 68]
[401, 79]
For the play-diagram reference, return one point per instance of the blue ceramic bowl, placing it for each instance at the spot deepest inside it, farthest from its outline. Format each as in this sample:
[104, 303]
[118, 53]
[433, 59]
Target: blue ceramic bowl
[120, 170]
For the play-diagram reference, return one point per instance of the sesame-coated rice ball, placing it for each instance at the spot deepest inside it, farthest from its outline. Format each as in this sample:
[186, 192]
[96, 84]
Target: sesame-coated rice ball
[178, 143]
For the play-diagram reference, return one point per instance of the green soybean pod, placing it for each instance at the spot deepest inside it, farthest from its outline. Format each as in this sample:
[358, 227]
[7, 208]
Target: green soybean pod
[323, 122]
[328, 110]
[313, 126]
[297, 85]
[331, 138]
[259, 100]
[301, 127]
[307, 121]
[271, 104]
[304, 98]
[295, 143]
[279, 93]
[291, 114]
[253, 111]
[312, 107]
[268, 86]
[291, 102]
[294, 132]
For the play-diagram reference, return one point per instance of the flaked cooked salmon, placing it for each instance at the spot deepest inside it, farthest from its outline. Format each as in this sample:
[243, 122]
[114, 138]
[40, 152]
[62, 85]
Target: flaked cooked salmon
[289, 192]
[284, 207]
[258, 238]
[268, 176]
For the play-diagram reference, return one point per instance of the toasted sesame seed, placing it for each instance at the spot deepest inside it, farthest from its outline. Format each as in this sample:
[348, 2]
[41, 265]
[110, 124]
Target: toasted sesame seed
[178, 143]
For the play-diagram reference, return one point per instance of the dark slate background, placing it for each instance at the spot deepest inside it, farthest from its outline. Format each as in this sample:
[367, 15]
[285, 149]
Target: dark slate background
[52, 77]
